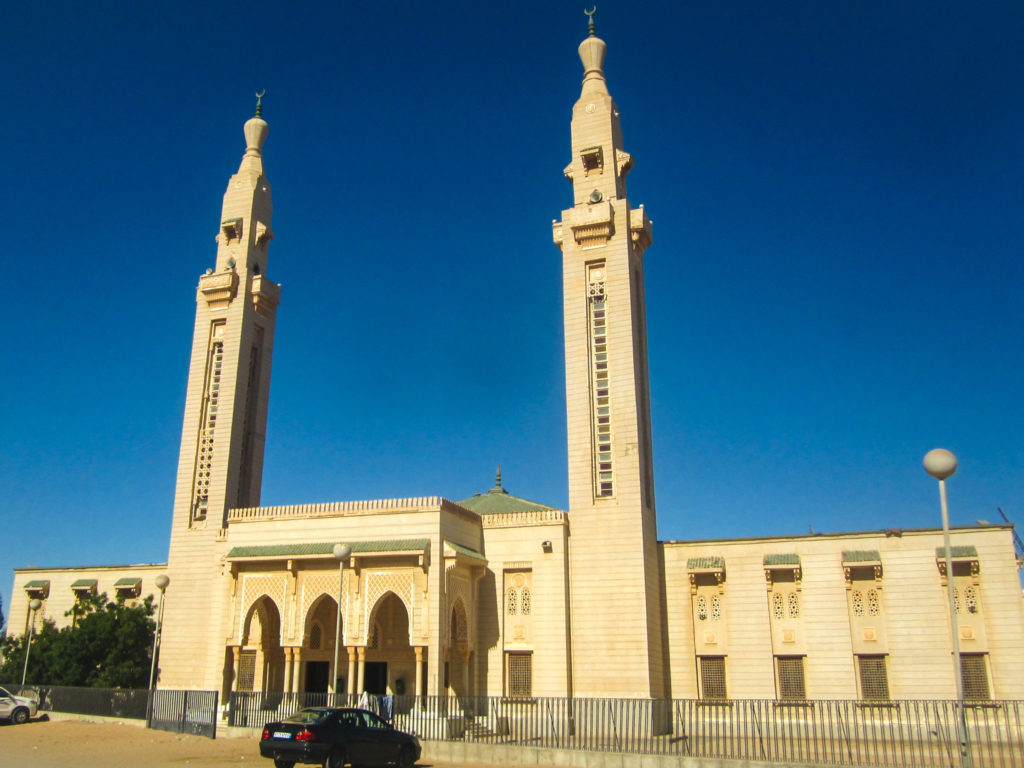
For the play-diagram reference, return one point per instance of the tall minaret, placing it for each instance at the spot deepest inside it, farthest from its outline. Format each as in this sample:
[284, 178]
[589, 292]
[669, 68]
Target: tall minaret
[220, 465]
[613, 555]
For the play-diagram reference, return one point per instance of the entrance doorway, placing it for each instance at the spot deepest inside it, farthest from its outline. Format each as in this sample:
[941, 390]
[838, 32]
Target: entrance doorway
[375, 678]
[318, 674]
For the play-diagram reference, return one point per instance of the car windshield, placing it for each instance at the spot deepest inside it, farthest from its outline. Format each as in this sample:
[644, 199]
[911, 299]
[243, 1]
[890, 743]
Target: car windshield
[308, 716]
[5, 692]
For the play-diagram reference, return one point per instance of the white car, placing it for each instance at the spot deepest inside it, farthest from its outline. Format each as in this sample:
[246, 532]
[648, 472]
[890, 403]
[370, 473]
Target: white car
[17, 709]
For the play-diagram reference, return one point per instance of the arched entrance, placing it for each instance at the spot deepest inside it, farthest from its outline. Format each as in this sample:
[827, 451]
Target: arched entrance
[318, 648]
[260, 662]
[390, 662]
[458, 650]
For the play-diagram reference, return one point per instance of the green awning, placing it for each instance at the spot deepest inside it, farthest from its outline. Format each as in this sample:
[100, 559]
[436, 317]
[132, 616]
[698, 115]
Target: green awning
[861, 556]
[788, 558]
[128, 583]
[961, 551]
[84, 584]
[327, 548]
[713, 563]
[38, 584]
[465, 550]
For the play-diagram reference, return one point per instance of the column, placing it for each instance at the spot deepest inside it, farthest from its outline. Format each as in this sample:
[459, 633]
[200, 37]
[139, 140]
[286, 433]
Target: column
[297, 665]
[350, 684]
[235, 653]
[465, 672]
[362, 669]
[287, 669]
[419, 669]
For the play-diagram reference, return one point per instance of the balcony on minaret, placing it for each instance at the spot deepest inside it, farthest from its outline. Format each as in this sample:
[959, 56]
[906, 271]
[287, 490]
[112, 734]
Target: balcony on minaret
[266, 295]
[219, 288]
[592, 225]
[639, 229]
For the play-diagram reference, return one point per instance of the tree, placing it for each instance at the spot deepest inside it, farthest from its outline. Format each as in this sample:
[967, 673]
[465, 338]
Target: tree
[108, 645]
[3, 630]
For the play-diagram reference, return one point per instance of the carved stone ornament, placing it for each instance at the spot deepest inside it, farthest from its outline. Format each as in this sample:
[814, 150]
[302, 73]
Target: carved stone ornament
[219, 288]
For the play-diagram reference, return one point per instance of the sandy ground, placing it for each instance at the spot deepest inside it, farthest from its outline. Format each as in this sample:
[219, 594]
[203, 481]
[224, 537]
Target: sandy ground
[74, 744]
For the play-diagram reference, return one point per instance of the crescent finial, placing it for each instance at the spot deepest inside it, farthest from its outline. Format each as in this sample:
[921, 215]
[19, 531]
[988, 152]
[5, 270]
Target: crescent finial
[259, 102]
[590, 19]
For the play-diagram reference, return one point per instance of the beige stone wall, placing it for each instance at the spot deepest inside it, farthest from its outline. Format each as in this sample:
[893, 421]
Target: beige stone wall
[533, 545]
[61, 598]
[912, 628]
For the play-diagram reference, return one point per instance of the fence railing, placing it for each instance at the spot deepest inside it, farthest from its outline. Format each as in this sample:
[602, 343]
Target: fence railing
[897, 733]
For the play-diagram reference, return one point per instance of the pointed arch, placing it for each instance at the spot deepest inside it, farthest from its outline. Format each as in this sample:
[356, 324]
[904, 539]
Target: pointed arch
[322, 615]
[267, 614]
[458, 627]
[392, 621]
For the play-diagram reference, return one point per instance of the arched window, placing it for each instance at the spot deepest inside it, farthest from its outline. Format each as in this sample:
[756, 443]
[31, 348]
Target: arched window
[794, 605]
[857, 601]
[971, 598]
[702, 608]
[510, 600]
[316, 636]
[716, 608]
[524, 601]
[873, 605]
[777, 606]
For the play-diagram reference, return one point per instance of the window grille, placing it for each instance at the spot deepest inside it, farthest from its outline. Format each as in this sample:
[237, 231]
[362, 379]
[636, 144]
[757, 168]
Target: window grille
[520, 674]
[712, 677]
[956, 599]
[874, 683]
[777, 608]
[246, 670]
[791, 677]
[794, 605]
[716, 608]
[511, 602]
[874, 606]
[857, 601]
[971, 599]
[207, 425]
[601, 413]
[702, 608]
[524, 602]
[974, 674]
[315, 637]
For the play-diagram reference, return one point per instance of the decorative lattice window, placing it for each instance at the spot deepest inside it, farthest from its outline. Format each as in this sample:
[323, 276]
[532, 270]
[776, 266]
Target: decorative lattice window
[208, 424]
[316, 637]
[712, 677]
[874, 607]
[519, 674]
[716, 608]
[246, 671]
[790, 671]
[974, 674]
[524, 601]
[956, 599]
[375, 636]
[511, 602]
[702, 608]
[778, 608]
[793, 603]
[857, 602]
[601, 405]
[971, 599]
[874, 683]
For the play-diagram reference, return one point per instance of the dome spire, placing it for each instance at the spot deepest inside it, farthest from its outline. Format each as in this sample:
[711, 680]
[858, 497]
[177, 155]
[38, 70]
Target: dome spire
[255, 131]
[592, 51]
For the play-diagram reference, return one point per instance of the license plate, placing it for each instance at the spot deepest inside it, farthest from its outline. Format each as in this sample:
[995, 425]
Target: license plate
[282, 735]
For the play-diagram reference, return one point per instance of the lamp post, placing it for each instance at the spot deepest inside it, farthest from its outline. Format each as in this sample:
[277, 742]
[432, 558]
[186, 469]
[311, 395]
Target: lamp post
[341, 553]
[34, 605]
[941, 464]
[161, 582]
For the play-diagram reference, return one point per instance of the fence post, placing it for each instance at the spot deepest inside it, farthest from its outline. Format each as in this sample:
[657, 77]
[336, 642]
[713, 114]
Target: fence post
[184, 709]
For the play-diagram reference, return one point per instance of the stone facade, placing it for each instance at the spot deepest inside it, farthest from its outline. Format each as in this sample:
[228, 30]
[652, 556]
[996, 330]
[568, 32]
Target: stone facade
[500, 595]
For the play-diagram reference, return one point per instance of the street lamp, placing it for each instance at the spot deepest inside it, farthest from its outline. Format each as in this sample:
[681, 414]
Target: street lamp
[941, 464]
[35, 605]
[341, 553]
[161, 583]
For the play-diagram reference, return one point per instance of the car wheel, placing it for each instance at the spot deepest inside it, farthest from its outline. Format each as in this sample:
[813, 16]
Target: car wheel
[407, 759]
[336, 759]
[19, 716]
[283, 764]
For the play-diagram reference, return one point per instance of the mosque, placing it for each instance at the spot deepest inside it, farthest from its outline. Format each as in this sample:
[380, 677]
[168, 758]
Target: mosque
[499, 595]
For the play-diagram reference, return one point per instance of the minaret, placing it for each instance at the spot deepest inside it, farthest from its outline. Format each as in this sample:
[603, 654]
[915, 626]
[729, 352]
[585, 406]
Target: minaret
[220, 465]
[613, 556]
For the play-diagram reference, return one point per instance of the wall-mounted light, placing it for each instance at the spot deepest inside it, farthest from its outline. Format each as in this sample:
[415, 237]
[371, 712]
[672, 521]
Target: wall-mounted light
[546, 546]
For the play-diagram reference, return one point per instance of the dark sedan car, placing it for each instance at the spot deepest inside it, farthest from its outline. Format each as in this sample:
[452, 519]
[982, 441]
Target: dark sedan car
[336, 737]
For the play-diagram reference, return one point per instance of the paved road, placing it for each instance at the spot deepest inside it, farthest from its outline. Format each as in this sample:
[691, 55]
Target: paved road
[74, 744]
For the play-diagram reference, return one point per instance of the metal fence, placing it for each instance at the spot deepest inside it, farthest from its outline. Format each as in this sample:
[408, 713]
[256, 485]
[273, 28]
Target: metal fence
[897, 733]
[192, 712]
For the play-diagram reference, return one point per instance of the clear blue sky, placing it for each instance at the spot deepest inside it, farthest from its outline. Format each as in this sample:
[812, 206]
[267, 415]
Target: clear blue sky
[834, 286]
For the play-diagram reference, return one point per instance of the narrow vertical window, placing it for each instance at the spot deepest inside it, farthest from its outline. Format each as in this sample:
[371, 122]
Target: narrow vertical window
[208, 423]
[245, 467]
[510, 600]
[519, 674]
[793, 601]
[974, 675]
[874, 683]
[790, 670]
[712, 677]
[601, 415]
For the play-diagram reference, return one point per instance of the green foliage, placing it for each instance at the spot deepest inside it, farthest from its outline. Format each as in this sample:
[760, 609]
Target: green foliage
[3, 631]
[108, 645]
